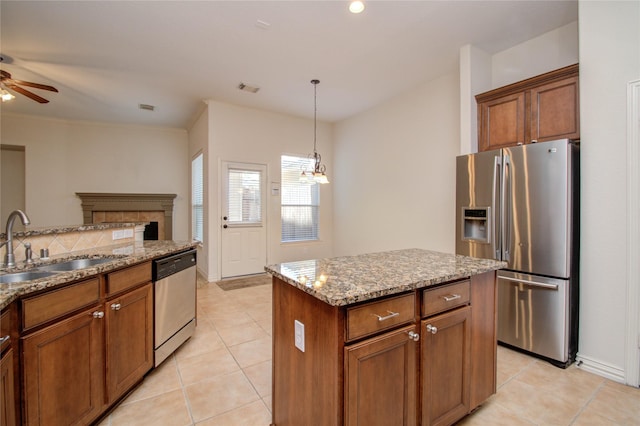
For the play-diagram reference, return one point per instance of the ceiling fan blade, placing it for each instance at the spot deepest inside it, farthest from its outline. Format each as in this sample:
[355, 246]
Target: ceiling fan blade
[35, 85]
[27, 93]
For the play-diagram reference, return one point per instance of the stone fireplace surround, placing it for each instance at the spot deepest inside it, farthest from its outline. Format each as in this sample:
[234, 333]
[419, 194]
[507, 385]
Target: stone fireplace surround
[125, 207]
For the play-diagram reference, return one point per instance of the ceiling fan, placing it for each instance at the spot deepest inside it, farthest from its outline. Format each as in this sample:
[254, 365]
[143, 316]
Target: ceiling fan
[10, 83]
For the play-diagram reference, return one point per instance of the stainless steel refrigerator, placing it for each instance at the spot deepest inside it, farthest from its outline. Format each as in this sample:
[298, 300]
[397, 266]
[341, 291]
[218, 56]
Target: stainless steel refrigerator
[521, 205]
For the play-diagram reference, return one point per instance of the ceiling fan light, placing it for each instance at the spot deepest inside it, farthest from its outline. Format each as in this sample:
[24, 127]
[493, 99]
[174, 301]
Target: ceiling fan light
[6, 96]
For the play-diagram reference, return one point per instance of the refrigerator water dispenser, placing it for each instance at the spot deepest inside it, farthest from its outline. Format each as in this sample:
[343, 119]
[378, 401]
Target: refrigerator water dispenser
[476, 224]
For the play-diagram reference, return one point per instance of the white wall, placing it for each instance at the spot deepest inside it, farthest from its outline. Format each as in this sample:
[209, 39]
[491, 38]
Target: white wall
[65, 157]
[609, 59]
[12, 193]
[395, 172]
[199, 143]
[246, 135]
[475, 77]
[552, 50]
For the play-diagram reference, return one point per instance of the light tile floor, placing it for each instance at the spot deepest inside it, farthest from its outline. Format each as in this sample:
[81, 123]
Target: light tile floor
[222, 377]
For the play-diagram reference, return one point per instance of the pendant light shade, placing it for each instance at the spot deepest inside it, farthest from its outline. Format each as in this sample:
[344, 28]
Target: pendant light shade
[318, 174]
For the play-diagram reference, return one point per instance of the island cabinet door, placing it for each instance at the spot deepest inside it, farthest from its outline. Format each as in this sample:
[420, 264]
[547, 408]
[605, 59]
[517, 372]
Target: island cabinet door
[381, 380]
[445, 366]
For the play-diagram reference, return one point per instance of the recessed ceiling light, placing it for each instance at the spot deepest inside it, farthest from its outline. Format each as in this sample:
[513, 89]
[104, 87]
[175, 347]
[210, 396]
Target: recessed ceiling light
[356, 6]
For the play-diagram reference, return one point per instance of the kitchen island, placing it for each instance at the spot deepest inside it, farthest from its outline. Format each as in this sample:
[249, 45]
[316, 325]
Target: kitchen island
[401, 337]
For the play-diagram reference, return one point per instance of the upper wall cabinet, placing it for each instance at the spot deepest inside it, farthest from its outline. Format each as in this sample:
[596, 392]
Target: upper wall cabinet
[541, 108]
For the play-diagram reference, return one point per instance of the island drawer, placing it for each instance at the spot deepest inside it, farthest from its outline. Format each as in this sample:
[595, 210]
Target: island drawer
[54, 304]
[443, 298]
[127, 278]
[370, 318]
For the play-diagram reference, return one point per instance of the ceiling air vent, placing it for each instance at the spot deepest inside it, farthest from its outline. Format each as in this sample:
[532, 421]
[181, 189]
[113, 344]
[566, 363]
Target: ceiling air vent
[247, 88]
[146, 107]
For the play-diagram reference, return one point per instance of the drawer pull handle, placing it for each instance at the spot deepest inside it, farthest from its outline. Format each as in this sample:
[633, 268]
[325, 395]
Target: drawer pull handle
[391, 315]
[451, 297]
[4, 339]
[414, 336]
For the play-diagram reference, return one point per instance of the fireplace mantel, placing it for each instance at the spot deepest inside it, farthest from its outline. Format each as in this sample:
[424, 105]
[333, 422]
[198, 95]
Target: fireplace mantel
[125, 202]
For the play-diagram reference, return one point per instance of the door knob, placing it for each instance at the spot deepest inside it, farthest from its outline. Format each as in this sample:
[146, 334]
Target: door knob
[431, 329]
[414, 336]
[98, 314]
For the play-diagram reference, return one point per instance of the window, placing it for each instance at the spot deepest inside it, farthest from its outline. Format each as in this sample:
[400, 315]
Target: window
[197, 199]
[244, 203]
[300, 202]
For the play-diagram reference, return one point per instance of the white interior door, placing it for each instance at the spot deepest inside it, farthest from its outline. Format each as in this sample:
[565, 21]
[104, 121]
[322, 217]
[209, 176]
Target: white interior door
[244, 237]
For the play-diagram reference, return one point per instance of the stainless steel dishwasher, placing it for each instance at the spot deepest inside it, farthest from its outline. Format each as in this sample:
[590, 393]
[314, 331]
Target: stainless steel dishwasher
[174, 302]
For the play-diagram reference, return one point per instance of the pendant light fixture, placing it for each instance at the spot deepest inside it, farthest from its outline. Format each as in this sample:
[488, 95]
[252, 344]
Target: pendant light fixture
[318, 174]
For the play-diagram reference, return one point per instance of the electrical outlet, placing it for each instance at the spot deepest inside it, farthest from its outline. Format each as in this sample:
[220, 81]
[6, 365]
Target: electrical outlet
[299, 335]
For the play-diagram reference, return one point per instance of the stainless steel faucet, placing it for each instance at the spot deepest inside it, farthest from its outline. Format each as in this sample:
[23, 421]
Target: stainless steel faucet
[9, 258]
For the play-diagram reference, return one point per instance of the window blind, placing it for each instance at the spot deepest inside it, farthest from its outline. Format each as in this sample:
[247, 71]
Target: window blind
[300, 202]
[243, 197]
[197, 198]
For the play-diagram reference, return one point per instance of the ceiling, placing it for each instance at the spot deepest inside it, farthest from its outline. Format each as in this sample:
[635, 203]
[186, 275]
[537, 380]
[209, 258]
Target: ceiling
[107, 57]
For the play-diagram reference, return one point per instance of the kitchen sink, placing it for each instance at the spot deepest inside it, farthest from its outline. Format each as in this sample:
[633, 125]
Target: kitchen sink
[72, 265]
[24, 276]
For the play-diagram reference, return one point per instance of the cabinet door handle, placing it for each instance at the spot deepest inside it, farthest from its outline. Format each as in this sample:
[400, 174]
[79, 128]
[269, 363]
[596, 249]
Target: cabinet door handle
[431, 329]
[451, 297]
[98, 314]
[413, 336]
[116, 306]
[4, 339]
[391, 315]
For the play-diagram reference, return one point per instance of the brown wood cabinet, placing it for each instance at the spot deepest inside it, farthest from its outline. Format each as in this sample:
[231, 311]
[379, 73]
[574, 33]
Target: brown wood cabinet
[7, 394]
[541, 108]
[445, 367]
[64, 371]
[84, 346]
[363, 365]
[381, 380]
[129, 336]
[9, 367]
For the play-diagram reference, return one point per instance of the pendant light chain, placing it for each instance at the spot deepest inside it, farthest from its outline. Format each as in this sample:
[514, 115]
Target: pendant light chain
[315, 111]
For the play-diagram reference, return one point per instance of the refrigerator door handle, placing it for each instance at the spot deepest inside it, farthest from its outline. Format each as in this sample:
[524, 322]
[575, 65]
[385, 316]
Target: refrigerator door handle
[531, 283]
[495, 240]
[506, 208]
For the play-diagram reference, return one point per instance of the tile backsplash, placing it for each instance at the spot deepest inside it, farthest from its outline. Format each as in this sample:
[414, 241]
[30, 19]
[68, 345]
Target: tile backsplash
[65, 242]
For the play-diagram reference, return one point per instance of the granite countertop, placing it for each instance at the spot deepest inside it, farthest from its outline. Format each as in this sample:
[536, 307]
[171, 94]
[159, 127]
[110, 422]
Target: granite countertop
[33, 231]
[123, 255]
[346, 280]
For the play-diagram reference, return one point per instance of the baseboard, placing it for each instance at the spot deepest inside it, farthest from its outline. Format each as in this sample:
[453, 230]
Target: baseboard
[600, 368]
